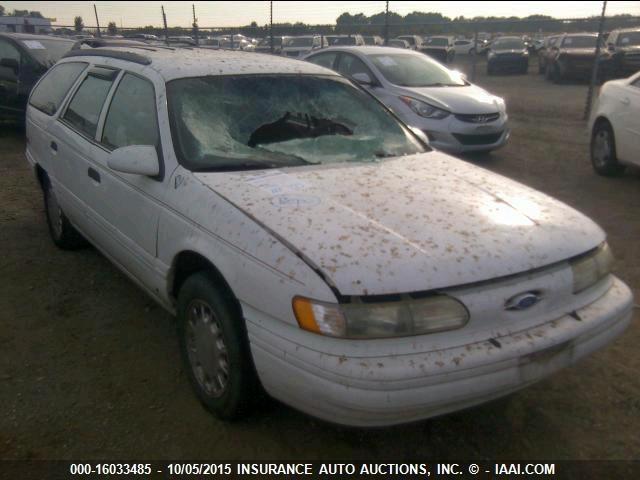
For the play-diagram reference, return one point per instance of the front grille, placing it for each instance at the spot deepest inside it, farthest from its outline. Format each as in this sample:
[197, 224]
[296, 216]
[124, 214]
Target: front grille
[478, 118]
[485, 139]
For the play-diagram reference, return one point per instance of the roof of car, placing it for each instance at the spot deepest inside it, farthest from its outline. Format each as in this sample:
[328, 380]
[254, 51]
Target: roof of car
[172, 63]
[368, 49]
[583, 34]
[625, 30]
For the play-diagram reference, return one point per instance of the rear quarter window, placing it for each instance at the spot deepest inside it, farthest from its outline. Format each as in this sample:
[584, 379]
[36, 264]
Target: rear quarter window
[86, 105]
[54, 86]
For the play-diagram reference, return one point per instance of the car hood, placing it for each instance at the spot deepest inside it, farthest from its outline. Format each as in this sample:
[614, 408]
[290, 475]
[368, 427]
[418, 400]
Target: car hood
[408, 224]
[468, 99]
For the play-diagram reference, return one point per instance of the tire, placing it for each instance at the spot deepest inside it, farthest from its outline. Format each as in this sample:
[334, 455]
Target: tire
[63, 234]
[490, 70]
[215, 348]
[547, 72]
[541, 68]
[603, 150]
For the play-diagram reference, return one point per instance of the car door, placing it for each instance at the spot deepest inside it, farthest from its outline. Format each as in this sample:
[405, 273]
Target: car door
[73, 147]
[628, 131]
[45, 101]
[11, 105]
[128, 204]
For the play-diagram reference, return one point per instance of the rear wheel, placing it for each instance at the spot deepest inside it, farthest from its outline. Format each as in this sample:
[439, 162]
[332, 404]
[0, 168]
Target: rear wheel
[603, 150]
[215, 348]
[63, 234]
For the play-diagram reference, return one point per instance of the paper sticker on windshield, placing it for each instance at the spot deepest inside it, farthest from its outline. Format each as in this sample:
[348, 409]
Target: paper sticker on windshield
[275, 182]
[33, 45]
[387, 61]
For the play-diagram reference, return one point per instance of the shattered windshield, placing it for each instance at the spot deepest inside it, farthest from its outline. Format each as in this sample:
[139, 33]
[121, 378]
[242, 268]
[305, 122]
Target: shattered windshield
[243, 122]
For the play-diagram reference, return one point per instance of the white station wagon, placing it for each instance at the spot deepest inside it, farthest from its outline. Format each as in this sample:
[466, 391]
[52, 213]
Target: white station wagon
[311, 243]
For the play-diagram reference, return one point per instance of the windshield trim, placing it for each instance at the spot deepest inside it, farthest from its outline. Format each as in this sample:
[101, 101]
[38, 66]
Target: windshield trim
[174, 129]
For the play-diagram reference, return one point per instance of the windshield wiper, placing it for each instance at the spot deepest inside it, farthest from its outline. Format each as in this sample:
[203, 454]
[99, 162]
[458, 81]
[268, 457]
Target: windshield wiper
[224, 164]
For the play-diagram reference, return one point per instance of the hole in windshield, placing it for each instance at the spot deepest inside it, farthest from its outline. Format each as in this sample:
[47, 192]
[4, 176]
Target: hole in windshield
[243, 122]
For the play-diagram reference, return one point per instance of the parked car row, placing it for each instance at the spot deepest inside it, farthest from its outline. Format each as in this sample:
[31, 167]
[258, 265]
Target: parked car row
[308, 240]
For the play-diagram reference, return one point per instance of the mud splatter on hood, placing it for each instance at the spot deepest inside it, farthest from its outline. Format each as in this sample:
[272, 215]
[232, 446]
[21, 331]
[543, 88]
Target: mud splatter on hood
[409, 224]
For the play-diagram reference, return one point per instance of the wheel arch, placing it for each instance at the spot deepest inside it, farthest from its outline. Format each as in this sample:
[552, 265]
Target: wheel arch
[189, 262]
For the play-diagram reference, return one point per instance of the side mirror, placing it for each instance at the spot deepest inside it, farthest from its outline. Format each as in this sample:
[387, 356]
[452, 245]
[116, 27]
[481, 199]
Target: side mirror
[135, 159]
[611, 47]
[420, 134]
[11, 63]
[362, 78]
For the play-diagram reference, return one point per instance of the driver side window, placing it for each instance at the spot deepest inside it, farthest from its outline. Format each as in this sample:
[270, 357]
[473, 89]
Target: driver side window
[349, 65]
[8, 52]
[131, 119]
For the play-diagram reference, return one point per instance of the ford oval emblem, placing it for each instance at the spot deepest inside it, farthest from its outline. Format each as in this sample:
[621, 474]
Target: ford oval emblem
[522, 301]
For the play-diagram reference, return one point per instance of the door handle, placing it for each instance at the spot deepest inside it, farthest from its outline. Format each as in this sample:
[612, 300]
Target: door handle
[54, 146]
[93, 174]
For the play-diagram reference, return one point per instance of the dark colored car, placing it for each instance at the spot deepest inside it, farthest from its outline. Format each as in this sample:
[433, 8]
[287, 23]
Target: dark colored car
[545, 52]
[24, 59]
[572, 56]
[507, 54]
[622, 55]
[265, 45]
[439, 48]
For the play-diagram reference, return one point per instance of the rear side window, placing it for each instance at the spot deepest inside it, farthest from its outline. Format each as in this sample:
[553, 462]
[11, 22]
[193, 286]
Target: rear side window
[132, 116]
[84, 109]
[324, 59]
[52, 89]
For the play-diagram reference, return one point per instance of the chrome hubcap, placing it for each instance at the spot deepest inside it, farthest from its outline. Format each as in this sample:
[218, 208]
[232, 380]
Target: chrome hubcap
[206, 348]
[601, 148]
[55, 214]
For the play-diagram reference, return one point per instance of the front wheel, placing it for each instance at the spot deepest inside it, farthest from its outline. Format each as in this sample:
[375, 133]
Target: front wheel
[215, 348]
[603, 150]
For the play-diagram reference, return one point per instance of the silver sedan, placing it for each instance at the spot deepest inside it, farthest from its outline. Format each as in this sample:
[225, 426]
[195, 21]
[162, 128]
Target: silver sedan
[455, 115]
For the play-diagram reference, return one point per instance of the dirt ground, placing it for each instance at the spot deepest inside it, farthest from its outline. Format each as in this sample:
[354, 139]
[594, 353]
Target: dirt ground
[90, 368]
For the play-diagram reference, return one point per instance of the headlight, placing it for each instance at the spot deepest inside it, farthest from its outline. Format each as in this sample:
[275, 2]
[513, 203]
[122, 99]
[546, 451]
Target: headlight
[491, 55]
[502, 106]
[589, 269]
[525, 53]
[380, 320]
[424, 109]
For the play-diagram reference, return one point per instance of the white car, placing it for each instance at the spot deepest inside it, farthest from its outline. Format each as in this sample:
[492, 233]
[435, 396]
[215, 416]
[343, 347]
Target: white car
[456, 115]
[307, 240]
[464, 47]
[615, 126]
[299, 47]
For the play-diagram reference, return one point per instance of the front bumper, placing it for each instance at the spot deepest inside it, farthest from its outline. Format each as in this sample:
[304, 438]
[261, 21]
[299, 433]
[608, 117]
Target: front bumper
[455, 136]
[375, 391]
[508, 63]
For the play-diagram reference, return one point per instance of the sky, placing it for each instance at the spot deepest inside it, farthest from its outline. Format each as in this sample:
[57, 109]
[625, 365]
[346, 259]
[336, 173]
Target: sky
[226, 14]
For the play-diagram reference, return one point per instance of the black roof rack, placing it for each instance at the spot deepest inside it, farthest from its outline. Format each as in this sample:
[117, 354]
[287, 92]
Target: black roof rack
[104, 52]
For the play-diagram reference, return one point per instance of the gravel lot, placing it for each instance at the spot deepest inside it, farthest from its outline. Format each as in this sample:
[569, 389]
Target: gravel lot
[90, 368]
